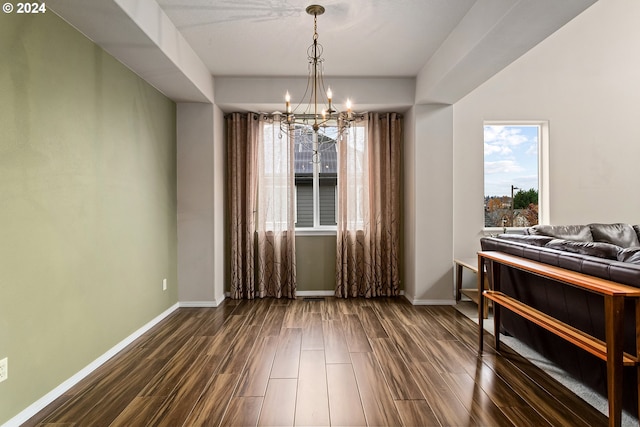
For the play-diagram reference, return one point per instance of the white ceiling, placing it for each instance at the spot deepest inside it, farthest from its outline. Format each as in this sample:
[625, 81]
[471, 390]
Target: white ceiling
[448, 47]
[360, 37]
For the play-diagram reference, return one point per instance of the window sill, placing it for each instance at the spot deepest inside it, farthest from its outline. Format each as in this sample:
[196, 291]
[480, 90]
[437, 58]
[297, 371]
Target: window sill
[492, 231]
[316, 231]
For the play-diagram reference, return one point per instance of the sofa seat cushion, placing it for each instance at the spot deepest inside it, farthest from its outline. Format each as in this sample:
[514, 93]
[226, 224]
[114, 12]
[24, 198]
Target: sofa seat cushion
[622, 235]
[597, 249]
[580, 233]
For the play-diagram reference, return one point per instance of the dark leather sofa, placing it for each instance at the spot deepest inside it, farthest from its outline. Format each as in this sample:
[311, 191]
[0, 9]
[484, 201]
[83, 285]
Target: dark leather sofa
[608, 251]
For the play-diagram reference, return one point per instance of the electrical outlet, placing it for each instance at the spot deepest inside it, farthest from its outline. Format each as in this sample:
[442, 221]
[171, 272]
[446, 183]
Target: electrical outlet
[164, 284]
[4, 369]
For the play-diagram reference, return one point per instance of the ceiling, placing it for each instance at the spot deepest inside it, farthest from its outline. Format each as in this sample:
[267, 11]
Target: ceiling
[373, 38]
[447, 47]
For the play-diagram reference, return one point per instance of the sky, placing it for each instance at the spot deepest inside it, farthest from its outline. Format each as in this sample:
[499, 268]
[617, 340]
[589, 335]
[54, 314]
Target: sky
[510, 158]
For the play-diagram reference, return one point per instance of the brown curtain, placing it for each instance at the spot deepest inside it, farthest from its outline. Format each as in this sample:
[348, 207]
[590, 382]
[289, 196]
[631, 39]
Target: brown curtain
[261, 216]
[242, 187]
[368, 238]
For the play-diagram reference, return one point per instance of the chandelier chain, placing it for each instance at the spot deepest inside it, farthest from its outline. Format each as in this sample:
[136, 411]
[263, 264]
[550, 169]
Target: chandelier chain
[315, 27]
[320, 111]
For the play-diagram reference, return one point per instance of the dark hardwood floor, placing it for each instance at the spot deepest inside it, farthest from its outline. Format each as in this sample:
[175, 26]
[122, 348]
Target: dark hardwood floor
[379, 362]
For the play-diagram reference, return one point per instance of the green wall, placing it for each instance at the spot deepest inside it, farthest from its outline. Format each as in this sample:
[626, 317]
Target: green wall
[316, 263]
[87, 204]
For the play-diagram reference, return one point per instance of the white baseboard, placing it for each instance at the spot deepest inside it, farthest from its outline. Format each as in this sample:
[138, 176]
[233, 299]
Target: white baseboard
[197, 304]
[215, 303]
[415, 301]
[45, 400]
[433, 302]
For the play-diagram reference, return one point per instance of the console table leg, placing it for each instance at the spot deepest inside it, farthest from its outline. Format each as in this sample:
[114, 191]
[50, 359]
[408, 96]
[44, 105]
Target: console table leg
[481, 304]
[458, 281]
[614, 310]
[637, 307]
[494, 284]
[496, 325]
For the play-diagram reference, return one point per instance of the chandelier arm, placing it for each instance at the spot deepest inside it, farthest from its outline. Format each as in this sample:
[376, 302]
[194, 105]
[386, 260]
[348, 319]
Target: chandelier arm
[305, 95]
[325, 100]
[319, 110]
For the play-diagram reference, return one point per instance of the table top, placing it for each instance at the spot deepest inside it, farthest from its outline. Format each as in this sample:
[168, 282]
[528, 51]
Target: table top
[570, 277]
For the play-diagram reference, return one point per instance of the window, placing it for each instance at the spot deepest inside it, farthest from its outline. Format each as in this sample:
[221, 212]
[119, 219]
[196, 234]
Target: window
[356, 177]
[316, 167]
[274, 163]
[515, 174]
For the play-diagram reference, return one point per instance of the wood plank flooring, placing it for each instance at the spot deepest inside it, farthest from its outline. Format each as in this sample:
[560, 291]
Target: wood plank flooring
[357, 362]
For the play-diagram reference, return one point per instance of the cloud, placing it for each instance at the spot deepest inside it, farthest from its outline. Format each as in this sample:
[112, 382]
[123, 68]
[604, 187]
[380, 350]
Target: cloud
[496, 149]
[502, 140]
[502, 166]
[504, 135]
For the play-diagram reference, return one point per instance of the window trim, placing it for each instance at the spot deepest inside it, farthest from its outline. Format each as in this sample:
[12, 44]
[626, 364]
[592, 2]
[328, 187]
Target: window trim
[543, 170]
[316, 229]
[325, 230]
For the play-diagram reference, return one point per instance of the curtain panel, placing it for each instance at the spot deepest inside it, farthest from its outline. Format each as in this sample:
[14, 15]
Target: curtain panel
[368, 236]
[261, 208]
[242, 186]
[275, 229]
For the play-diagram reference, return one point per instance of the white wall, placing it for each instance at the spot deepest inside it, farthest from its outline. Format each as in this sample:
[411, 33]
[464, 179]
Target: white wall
[220, 205]
[196, 204]
[428, 160]
[267, 93]
[409, 205]
[183, 75]
[584, 80]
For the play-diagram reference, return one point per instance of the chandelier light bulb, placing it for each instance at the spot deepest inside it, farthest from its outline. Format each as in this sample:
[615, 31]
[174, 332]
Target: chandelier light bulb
[329, 94]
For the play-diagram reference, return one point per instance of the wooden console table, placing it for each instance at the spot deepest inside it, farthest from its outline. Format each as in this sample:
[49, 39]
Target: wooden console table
[614, 295]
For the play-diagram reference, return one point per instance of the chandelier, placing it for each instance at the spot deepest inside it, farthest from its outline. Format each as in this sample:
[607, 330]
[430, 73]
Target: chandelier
[316, 108]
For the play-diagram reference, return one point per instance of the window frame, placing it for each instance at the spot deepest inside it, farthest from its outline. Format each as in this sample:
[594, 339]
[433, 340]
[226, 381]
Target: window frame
[543, 170]
[317, 228]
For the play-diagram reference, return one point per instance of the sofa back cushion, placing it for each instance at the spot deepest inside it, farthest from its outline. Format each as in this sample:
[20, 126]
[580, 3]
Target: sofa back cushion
[631, 255]
[637, 230]
[580, 233]
[597, 249]
[622, 235]
[534, 240]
